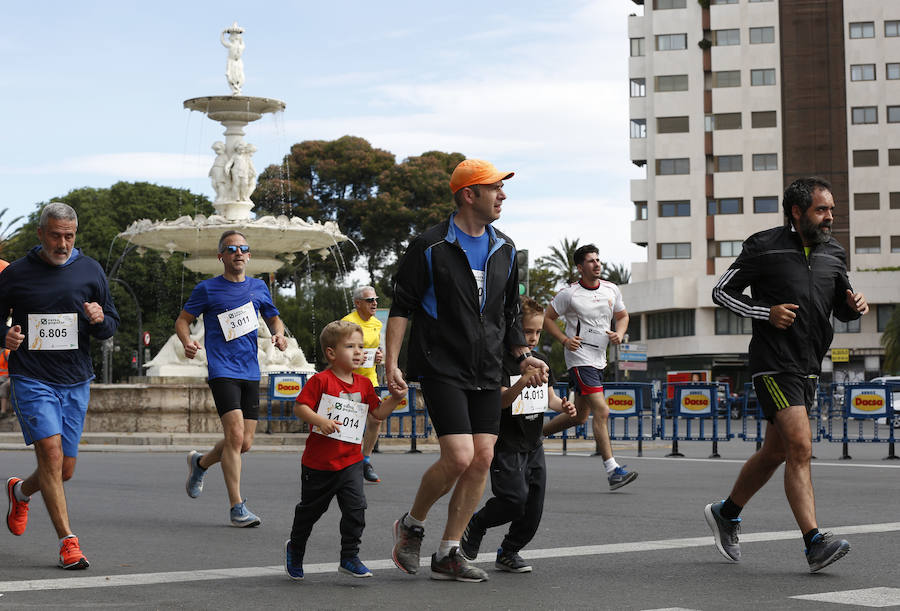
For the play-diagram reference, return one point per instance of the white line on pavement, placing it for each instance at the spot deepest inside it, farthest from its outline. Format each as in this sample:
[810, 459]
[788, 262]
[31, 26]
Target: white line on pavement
[144, 579]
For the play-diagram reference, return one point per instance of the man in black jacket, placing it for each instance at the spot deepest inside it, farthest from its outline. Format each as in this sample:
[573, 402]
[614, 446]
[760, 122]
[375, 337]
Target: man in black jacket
[459, 283]
[797, 275]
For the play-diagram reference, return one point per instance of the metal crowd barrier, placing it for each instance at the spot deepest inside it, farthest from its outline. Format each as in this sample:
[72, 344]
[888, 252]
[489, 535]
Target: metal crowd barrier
[284, 386]
[395, 426]
[695, 403]
[863, 405]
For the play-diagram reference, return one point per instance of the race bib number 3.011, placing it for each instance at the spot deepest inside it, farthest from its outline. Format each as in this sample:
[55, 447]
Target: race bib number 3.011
[53, 331]
[532, 400]
[239, 321]
[369, 354]
[351, 415]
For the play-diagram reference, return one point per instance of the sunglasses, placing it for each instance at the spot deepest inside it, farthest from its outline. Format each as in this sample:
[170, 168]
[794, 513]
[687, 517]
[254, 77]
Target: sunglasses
[232, 249]
[370, 299]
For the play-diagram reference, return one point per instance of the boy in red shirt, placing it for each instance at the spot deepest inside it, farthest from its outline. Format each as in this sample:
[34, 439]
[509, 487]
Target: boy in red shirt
[335, 403]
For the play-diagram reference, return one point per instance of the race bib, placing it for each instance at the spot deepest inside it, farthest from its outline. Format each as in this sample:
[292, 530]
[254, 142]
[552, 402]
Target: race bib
[532, 400]
[53, 331]
[239, 321]
[369, 361]
[349, 414]
[479, 281]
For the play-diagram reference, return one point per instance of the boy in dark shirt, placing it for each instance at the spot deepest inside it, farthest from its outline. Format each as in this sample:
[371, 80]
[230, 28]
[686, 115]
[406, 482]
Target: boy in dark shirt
[518, 471]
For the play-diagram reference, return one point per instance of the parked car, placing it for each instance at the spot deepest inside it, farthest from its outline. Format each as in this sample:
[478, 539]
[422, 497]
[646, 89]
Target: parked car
[894, 382]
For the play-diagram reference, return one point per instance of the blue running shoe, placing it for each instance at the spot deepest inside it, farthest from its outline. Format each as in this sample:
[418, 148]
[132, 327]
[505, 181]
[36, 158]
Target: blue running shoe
[292, 565]
[243, 517]
[620, 477]
[194, 484]
[354, 567]
[824, 550]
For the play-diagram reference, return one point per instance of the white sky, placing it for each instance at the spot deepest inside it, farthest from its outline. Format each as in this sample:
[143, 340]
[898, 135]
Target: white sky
[92, 94]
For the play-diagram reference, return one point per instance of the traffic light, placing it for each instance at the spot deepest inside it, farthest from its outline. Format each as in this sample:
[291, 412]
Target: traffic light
[134, 362]
[522, 266]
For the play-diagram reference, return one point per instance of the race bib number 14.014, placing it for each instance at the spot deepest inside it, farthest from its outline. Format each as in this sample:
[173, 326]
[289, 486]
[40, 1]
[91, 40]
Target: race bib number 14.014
[350, 415]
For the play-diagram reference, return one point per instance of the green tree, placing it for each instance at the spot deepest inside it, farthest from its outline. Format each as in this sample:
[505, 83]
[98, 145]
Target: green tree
[617, 273]
[890, 340]
[542, 283]
[561, 261]
[6, 230]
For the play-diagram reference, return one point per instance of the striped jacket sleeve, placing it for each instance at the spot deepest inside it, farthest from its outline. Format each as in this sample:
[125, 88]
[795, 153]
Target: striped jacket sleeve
[729, 290]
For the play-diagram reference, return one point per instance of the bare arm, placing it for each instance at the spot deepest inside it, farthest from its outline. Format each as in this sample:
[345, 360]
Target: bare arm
[277, 328]
[618, 335]
[393, 340]
[183, 331]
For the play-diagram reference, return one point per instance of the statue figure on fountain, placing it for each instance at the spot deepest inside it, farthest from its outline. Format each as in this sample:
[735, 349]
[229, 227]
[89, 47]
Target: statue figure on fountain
[241, 171]
[221, 181]
[234, 69]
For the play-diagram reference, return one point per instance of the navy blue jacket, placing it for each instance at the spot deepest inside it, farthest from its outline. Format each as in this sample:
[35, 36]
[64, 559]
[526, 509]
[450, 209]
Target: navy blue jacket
[30, 285]
[456, 337]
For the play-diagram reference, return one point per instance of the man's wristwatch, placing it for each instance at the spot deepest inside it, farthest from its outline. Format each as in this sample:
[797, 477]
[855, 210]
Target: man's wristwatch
[522, 357]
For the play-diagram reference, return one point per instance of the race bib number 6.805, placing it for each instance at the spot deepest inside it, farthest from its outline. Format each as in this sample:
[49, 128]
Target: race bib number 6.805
[53, 331]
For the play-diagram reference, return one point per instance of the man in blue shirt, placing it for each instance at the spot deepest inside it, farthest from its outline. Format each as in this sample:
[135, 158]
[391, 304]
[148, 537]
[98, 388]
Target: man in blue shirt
[230, 303]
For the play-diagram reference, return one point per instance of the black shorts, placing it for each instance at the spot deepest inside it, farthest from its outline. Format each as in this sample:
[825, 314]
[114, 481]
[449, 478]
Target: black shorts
[230, 394]
[778, 391]
[455, 411]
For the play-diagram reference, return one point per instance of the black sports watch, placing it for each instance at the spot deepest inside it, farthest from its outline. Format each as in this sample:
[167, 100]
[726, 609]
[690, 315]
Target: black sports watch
[522, 357]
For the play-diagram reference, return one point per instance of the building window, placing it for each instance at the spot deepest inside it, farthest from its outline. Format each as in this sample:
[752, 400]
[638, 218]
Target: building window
[862, 72]
[894, 198]
[764, 118]
[892, 71]
[893, 156]
[671, 82]
[640, 211]
[634, 328]
[759, 36]
[724, 120]
[766, 203]
[865, 158]
[895, 244]
[762, 76]
[729, 323]
[845, 327]
[893, 114]
[679, 323]
[679, 165]
[885, 311]
[727, 248]
[638, 87]
[681, 207]
[637, 47]
[760, 1]
[861, 115]
[639, 128]
[891, 29]
[674, 250]
[671, 42]
[866, 201]
[723, 38]
[867, 245]
[725, 205]
[724, 2]
[729, 163]
[672, 125]
[726, 78]
[765, 161]
[862, 29]
[659, 5]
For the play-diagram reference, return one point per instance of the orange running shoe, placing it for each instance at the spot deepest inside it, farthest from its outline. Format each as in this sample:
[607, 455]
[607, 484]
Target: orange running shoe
[17, 514]
[70, 556]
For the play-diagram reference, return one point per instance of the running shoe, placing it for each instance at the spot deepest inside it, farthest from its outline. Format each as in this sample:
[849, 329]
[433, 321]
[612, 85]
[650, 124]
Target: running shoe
[354, 567]
[725, 531]
[194, 484]
[369, 473]
[407, 545]
[511, 562]
[293, 566]
[471, 540]
[620, 477]
[17, 513]
[243, 517]
[455, 568]
[70, 556]
[824, 550]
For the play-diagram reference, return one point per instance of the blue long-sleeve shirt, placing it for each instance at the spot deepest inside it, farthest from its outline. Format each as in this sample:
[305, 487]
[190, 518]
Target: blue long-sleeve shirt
[30, 285]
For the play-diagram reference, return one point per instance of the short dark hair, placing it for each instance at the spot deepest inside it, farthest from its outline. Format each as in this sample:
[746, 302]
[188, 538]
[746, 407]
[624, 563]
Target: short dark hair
[800, 193]
[228, 234]
[457, 197]
[582, 251]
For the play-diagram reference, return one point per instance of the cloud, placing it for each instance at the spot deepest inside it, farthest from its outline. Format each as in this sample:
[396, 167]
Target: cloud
[126, 166]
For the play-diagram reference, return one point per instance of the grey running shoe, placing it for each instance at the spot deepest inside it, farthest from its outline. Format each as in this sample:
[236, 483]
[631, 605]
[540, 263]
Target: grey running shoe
[369, 473]
[194, 484]
[243, 517]
[407, 544]
[620, 477]
[511, 562]
[455, 568]
[725, 531]
[824, 550]
[471, 540]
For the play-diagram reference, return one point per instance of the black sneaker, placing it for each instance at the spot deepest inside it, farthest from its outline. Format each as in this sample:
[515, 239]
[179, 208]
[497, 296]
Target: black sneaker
[824, 550]
[511, 562]
[455, 568]
[725, 531]
[369, 473]
[407, 545]
[293, 564]
[471, 540]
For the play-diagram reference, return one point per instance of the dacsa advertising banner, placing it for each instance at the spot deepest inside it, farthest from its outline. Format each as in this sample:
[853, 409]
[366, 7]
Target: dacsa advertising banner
[622, 402]
[694, 401]
[866, 402]
[286, 387]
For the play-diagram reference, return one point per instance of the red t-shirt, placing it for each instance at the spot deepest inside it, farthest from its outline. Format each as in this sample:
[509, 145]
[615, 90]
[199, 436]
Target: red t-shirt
[324, 453]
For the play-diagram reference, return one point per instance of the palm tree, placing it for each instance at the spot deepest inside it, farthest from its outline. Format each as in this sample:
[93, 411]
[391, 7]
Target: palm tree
[561, 261]
[891, 342]
[5, 230]
[616, 273]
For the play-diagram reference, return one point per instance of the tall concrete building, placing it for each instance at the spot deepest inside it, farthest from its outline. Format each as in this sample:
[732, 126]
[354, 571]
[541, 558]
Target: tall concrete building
[731, 100]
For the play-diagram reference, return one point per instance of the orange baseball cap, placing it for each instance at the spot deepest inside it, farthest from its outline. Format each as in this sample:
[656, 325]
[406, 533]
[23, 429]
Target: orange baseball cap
[476, 172]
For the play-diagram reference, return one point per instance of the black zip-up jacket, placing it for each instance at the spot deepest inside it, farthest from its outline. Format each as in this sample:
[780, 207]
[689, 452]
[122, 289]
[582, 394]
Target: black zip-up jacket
[456, 337]
[773, 264]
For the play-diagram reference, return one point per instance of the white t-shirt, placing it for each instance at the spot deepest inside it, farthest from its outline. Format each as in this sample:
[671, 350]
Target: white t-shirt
[588, 313]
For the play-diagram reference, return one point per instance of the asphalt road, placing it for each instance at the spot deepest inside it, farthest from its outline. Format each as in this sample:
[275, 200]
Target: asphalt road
[645, 546]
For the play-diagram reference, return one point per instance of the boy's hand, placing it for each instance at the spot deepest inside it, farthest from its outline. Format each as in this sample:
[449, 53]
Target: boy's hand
[568, 407]
[542, 369]
[329, 426]
[397, 393]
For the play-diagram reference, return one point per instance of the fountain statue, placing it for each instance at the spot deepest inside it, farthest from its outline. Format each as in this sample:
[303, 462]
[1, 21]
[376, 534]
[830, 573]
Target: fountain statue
[275, 240]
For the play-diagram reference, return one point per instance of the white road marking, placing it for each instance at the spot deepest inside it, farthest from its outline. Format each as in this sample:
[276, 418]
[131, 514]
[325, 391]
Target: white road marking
[815, 463]
[144, 579]
[867, 597]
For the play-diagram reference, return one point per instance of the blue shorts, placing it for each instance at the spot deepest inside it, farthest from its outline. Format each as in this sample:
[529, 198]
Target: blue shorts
[46, 409]
[586, 380]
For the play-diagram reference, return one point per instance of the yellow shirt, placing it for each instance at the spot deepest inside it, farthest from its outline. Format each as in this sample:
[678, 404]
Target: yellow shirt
[371, 339]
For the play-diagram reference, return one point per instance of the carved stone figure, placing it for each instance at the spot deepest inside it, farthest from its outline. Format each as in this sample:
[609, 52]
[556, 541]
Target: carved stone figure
[241, 171]
[221, 181]
[234, 69]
